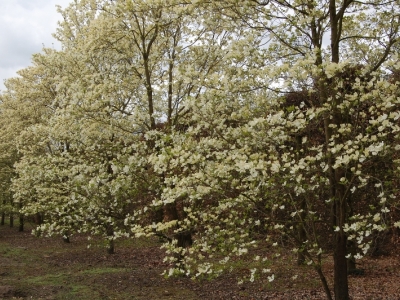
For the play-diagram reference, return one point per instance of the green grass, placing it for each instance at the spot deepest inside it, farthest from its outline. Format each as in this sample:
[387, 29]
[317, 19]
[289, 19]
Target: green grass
[101, 271]
[48, 279]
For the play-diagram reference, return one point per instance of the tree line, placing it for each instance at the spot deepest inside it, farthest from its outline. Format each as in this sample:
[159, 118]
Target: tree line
[219, 126]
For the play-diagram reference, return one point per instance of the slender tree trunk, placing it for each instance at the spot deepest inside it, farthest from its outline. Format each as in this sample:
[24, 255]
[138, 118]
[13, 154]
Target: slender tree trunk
[170, 78]
[111, 245]
[21, 223]
[3, 214]
[66, 237]
[38, 219]
[302, 237]
[324, 283]
[21, 219]
[11, 220]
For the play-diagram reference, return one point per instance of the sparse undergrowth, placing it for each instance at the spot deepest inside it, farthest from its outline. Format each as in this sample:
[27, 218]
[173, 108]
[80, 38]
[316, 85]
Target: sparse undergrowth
[48, 268]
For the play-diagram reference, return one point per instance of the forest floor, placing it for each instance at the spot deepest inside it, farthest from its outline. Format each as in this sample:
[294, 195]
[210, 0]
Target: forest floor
[48, 268]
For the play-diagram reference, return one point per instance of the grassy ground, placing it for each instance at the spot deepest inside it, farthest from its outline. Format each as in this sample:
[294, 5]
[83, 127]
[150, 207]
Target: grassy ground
[48, 268]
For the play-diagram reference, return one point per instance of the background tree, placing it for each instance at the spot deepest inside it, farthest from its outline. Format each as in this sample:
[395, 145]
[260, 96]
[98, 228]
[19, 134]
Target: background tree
[26, 103]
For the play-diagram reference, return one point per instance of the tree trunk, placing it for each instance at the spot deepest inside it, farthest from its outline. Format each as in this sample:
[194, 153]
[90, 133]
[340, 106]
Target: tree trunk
[184, 239]
[341, 287]
[302, 237]
[21, 223]
[11, 220]
[111, 245]
[3, 218]
[21, 219]
[324, 283]
[66, 238]
[38, 219]
[173, 211]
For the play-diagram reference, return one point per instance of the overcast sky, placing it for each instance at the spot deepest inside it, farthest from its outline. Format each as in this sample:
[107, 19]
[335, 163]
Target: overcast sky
[25, 25]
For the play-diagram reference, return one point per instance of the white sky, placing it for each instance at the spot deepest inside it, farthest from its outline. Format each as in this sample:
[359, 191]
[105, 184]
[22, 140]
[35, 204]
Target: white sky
[25, 26]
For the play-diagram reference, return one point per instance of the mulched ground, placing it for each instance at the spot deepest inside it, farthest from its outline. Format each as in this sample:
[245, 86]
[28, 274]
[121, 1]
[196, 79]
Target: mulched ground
[134, 273]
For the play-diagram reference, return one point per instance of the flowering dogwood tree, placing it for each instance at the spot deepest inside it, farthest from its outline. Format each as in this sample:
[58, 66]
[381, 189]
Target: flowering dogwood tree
[91, 172]
[25, 103]
[307, 167]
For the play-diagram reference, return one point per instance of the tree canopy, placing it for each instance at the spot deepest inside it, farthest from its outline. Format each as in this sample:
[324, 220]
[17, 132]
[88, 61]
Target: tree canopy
[220, 126]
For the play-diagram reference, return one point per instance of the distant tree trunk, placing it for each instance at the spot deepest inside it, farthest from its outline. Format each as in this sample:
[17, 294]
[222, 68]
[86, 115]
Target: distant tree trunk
[111, 245]
[21, 223]
[11, 220]
[3, 215]
[38, 219]
[66, 237]
[302, 237]
[184, 238]
[21, 219]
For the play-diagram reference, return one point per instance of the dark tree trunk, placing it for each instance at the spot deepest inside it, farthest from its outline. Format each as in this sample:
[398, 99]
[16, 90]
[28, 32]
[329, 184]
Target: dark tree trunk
[341, 287]
[111, 245]
[302, 237]
[324, 283]
[184, 239]
[174, 211]
[21, 223]
[11, 220]
[170, 212]
[38, 219]
[66, 238]
[21, 219]
[3, 218]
